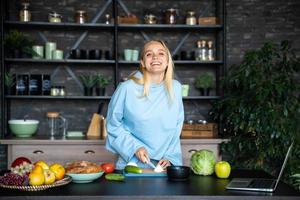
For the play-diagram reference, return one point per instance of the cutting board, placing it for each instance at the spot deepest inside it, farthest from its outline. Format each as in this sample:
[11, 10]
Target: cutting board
[146, 173]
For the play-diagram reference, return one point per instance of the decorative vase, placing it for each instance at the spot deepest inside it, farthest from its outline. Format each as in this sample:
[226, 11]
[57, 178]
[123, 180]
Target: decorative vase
[100, 91]
[204, 91]
[88, 91]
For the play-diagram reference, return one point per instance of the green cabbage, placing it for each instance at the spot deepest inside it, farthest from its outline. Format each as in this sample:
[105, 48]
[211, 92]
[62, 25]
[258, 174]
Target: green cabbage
[203, 162]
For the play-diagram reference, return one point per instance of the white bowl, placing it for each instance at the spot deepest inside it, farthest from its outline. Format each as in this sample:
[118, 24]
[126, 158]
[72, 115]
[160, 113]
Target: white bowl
[23, 128]
[85, 178]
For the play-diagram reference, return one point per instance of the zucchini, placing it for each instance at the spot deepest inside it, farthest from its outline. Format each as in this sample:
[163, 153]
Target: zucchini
[114, 177]
[133, 169]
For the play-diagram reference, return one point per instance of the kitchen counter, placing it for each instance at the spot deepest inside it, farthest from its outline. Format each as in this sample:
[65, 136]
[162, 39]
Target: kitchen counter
[197, 187]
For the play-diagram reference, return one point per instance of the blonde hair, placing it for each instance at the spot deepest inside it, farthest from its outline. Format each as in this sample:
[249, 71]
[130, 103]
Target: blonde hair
[168, 76]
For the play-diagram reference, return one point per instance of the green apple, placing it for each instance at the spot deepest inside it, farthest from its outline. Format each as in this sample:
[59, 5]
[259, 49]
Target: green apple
[222, 169]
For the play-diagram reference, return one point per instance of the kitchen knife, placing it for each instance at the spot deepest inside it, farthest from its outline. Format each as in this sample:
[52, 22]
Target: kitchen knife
[151, 164]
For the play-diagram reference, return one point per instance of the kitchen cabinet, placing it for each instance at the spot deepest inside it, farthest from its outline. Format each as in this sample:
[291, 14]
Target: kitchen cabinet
[63, 151]
[114, 38]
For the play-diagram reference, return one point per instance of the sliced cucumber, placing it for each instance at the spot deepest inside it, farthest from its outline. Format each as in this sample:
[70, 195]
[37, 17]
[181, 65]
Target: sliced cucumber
[133, 169]
[114, 177]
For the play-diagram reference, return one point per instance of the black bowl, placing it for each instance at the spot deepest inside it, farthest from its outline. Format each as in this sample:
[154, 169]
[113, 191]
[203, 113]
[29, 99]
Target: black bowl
[178, 173]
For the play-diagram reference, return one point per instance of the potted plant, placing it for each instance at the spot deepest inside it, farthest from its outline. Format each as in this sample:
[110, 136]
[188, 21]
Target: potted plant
[204, 82]
[101, 84]
[17, 45]
[9, 81]
[88, 82]
[260, 109]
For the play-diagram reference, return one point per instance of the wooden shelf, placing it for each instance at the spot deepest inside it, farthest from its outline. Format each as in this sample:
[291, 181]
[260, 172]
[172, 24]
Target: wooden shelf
[63, 25]
[73, 61]
[94, 97]
[168, 27]
[201, 97]
[181, 62]
[40, 97]
[39, 24]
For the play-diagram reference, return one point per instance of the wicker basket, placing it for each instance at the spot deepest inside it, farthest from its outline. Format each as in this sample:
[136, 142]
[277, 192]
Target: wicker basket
[209, 130]
[31, 188]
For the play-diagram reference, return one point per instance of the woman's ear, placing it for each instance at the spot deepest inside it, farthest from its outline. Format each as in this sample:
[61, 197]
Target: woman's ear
[142, 63]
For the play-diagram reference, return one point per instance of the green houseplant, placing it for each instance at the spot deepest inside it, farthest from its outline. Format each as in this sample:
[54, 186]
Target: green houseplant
[17, 45]
[9, 81]
[260, 110]
[204, 82]
[88, 82]
[101, 83]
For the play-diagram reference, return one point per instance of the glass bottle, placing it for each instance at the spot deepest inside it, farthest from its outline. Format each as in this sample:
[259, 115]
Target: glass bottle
[81, 17]
[107, 19]
[210, 51]
[198, 51]
[25, 14]
[203, 50]
[190, 18]
[171, 15]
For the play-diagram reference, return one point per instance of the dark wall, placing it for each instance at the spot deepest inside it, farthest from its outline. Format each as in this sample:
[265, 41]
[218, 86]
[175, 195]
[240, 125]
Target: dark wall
[250, 23]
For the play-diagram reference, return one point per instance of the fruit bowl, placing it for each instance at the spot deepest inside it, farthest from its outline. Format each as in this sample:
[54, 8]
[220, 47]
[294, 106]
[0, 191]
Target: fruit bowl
[178, 173]
[85, 178]
[30, 188]
[23, 128]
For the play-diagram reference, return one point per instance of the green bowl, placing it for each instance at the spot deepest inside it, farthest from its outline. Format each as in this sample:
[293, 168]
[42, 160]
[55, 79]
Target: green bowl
[85, 178]
[23, 128]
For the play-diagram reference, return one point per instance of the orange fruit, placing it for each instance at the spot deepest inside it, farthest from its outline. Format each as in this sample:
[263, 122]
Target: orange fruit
[58, 170]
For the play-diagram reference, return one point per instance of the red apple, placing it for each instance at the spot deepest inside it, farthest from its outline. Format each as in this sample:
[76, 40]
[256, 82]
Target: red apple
[20, 161]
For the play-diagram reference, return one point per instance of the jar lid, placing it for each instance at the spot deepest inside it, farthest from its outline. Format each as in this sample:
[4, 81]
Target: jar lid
[52, 114]
[55, 14]
[172, 9]
[80, 11]
[25, 4]
[191, 12]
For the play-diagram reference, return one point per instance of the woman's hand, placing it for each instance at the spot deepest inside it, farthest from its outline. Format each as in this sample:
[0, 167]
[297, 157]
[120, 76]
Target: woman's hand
[142, 155]
[164, 163]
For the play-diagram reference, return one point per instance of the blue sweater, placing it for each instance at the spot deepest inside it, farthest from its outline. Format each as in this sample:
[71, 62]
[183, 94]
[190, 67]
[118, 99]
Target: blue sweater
[134, 121]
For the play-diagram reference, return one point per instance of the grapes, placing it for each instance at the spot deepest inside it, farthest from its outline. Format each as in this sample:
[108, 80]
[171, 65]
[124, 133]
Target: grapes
[22, 169]
[12, 179]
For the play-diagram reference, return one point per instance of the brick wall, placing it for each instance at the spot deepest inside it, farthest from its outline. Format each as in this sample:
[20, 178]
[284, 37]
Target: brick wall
[250, 23]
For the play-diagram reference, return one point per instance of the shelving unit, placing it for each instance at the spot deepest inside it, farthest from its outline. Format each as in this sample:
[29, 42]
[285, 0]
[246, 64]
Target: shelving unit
[115, 65]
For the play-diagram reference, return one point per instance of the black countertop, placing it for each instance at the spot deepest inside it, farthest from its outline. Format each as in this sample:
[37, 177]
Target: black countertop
[197, 187]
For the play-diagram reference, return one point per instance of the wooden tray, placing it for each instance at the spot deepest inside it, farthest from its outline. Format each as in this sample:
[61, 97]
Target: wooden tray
[208, 20]
[196, 131]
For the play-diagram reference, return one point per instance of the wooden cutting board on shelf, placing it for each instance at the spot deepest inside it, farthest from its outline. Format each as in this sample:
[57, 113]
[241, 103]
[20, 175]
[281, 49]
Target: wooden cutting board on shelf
[147, 173]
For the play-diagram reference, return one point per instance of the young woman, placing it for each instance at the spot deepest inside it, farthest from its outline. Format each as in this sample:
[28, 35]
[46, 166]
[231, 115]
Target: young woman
[145, 114]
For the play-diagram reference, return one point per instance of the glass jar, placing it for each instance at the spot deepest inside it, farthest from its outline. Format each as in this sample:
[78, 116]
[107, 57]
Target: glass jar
[25, 14]
[54, 91]
[150, 19]
[191, 18]
[81, 16]
[61, 91]
[171, 15]
[54, 17]
[210, 51]
[107, 19]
